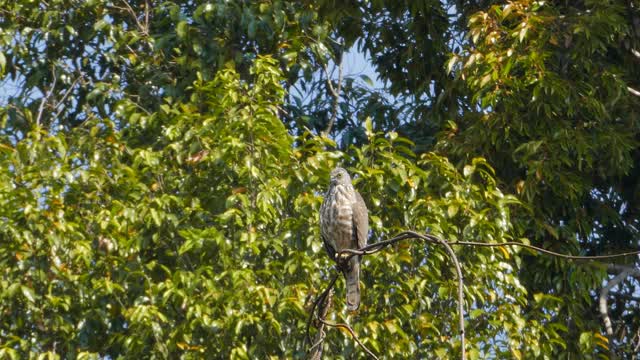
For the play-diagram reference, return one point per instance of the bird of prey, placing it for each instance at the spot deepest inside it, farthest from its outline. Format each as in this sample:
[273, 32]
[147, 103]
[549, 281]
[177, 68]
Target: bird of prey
[344, 224]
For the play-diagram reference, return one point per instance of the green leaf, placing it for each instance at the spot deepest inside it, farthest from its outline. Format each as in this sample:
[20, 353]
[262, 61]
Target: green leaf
[3, 63]
[181, 29]
[468, 170]
[367, 80]
[452, 210]
[28, 293]
[368, 125]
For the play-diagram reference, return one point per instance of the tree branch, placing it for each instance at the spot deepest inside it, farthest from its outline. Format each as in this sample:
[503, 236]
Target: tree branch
[613, 269]
[604, 312]
[315, 352]
[46, 97]
[346, 254]
[548, 252]
[336, 99]
[144, 30]
[353, 335]
[373, 248]
[453, 256]
[335, 93]
[64, 97]
[319, 300]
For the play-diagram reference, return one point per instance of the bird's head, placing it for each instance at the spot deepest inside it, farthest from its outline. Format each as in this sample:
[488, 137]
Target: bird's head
[340, 176]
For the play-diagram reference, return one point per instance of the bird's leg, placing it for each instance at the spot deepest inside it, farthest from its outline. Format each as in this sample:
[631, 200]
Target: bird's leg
[342, 261]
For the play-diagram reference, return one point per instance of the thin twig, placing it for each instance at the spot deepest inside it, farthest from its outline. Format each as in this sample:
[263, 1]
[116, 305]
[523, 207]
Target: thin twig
[353, 335]
[336, 98]
[64, 97]
[333, 91]
[143, 29]
[548, 252]
[453, 256]
[315, 350]
[46, 96]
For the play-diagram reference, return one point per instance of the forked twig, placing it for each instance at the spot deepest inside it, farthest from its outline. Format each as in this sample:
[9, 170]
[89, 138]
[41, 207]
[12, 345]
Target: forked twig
[353, 335]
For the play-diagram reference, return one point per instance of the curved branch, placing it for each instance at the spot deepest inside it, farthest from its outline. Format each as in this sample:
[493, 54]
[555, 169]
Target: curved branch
[346, 254]
[548, 252]
[319, 300]
[373, 248]
[460, 292]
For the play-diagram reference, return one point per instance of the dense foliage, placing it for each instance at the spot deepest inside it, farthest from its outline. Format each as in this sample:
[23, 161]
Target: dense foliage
[162, 165]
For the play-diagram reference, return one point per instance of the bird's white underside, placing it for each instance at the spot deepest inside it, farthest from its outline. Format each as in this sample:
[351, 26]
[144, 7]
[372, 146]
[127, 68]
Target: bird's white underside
[343, 227]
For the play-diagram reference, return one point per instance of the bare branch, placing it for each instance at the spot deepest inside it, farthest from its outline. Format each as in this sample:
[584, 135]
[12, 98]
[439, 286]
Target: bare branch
[604, 312]
[353, 335]
[434, 239]
[375, 247]
[64, 97]
[603, 300]
[144, 30]
[614, 269]
[46, 97]
[453, 256]
[548, 252]
[319, 300]
[333, 91]
[336, 99]
[146, 15]
[315, 352]
[633, 91]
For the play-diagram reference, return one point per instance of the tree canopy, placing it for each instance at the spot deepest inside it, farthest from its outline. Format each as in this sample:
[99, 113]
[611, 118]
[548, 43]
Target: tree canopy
[162, 165]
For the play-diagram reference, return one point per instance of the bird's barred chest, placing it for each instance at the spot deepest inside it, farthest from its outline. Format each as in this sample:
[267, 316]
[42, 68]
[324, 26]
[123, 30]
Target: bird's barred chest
[340, 208]
[343, 205]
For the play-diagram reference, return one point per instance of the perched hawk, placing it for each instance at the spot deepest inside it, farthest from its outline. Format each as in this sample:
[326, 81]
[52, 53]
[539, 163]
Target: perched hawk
[344, 224]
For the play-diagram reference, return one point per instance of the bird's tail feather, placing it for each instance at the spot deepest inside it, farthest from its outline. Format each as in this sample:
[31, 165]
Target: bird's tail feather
[352, 276]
